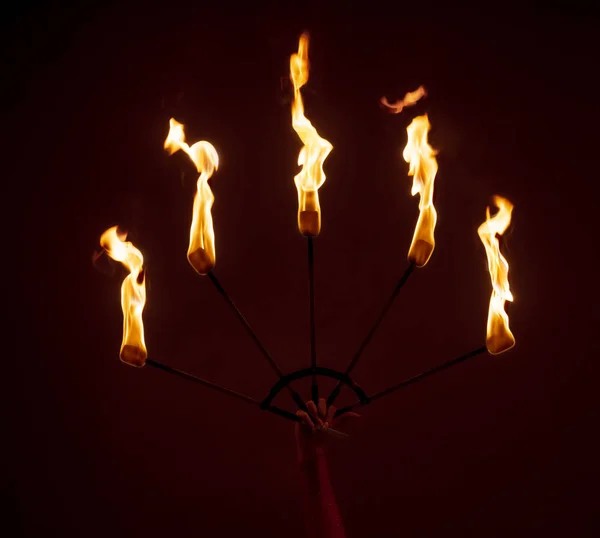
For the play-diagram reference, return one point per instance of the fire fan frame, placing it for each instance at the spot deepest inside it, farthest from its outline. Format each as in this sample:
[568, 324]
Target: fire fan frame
[314, 371]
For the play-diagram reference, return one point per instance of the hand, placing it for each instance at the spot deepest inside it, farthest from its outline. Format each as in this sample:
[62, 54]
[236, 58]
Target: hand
[310, 436]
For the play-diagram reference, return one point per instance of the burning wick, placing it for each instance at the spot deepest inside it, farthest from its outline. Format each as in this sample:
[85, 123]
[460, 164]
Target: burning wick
[423, 167]
[499, 337]
[201, 252]
[133, 295]
[410, 99]
[313, 153]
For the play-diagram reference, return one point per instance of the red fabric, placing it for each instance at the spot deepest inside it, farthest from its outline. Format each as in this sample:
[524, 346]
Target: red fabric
[322, 515]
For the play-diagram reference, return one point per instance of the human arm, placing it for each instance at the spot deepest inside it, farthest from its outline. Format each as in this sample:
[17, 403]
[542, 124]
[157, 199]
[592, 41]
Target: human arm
[322, 514]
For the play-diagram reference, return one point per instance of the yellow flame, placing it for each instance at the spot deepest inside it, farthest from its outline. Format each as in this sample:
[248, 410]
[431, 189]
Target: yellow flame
[313, 153]
[423, 167]
[133, 295]
[410, 99]
[499, 337]
[201, 252]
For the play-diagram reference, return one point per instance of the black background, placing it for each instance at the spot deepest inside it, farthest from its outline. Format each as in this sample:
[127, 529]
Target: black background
[494, 447]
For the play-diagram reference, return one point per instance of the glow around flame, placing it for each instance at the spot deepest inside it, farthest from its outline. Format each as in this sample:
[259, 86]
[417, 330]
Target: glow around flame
[313, 153]
[423, 167]
[201, 252]
[499, 337]
[410, 99]
[133, 295]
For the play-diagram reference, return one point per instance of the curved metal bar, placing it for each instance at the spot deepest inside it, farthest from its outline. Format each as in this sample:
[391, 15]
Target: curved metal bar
[306, 372]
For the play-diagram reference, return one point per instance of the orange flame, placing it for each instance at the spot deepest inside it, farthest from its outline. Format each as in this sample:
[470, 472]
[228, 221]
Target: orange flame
[313, 153]
[410, 99]
[499, 337]
[423, 167]
[133, 295]
[201, 252]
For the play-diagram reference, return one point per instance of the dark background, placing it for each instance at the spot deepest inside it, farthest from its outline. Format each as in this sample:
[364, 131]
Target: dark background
[494, 447]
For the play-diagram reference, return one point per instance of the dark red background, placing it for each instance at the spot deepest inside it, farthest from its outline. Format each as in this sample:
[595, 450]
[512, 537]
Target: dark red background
[494, 447]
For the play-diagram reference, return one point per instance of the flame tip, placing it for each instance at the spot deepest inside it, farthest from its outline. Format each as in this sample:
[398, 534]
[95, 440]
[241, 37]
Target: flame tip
[423, 168]
[206, 160]
[410, 99]
[499, 336]
[314, 151]
[133, 293]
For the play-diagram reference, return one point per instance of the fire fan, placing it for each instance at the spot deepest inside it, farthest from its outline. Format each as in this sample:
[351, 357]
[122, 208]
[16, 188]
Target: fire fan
[423, 168]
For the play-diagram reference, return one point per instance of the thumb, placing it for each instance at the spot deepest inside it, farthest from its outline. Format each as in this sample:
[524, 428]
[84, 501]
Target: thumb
[346, 417]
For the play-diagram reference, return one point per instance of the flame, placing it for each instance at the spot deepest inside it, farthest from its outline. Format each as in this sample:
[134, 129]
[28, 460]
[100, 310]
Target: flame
[313, 153]
[410, 99]
[133, 295]
[201, 252]
[423, 167]
[499, 336]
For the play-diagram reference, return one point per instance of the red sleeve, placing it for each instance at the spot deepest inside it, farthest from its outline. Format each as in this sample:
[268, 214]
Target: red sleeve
[322, 515]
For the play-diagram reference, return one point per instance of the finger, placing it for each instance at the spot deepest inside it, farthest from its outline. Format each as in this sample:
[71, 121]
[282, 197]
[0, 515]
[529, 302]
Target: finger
[305, 420]
[330, 414]
[322, 408]
[314, 413]
[350, 414]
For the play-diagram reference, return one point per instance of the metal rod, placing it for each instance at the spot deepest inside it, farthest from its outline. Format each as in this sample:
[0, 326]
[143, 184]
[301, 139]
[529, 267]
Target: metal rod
[299, 401]
[202, 382]
[336, 391]
[239, 396]
[414, 379]
[313, 338]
